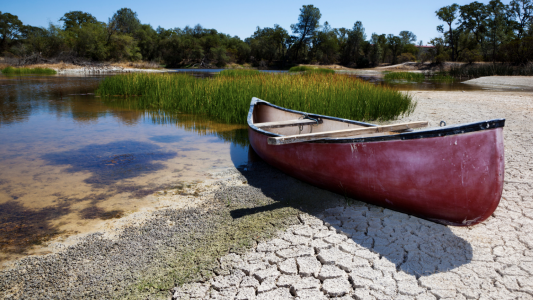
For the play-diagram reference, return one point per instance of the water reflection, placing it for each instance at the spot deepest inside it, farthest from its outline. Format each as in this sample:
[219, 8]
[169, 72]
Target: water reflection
[112, 162]
[69, 159]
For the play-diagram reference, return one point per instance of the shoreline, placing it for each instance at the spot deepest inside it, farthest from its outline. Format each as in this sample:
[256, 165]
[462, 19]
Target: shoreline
[242, 209]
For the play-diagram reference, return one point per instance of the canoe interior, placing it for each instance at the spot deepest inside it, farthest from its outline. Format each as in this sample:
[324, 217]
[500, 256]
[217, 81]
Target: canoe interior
[263, 113]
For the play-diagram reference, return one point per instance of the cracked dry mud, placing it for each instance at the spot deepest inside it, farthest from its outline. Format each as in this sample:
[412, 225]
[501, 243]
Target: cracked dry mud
[365, 252]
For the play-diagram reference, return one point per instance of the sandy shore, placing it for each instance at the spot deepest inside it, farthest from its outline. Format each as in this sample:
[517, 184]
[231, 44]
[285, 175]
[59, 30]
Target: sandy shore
[503, 81]
[278, 230]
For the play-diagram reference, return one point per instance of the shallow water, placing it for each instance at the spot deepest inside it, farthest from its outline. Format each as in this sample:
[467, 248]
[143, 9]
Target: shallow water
[68, 159]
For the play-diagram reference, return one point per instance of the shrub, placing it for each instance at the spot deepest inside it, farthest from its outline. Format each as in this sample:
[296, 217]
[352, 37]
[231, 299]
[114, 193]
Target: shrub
[405, 57]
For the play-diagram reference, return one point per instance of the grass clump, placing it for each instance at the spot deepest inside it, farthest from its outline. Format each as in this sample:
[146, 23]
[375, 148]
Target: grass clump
[476, 71]
[409, 76]
[227, 98]
[28, 71]
[311, 70]
[442, 77]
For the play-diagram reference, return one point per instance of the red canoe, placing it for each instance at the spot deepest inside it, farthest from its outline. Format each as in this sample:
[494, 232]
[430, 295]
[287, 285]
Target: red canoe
[451, 175]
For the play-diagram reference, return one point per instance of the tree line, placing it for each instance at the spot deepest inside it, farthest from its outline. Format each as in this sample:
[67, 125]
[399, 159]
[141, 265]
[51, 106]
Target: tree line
[486, 32]
[472, 32]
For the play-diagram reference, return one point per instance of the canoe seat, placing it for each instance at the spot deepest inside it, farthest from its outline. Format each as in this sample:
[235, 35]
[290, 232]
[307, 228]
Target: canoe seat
[295, 122]
[307, 137]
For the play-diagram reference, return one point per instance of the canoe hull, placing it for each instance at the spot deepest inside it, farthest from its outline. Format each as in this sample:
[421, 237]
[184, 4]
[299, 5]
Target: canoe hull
[454, 179]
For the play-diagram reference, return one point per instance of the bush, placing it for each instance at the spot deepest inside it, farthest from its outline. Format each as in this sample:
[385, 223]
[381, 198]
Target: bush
[441, 58]
[405, 57]
[470, 56]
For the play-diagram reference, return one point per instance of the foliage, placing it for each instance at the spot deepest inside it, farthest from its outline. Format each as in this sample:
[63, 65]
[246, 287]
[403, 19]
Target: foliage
[10, 28]
[471, 32]
[405, 57]
[75, 19]
[487, 32]
[28, 71]
[227, 98]
[124, 21]
[308, 22]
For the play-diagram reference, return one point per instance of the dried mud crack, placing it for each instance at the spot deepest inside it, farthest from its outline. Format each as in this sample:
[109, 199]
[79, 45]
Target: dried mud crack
[259, 234]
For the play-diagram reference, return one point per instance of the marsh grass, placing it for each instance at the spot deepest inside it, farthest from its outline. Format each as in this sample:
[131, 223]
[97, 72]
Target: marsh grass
[227, 97]
[409, 76]
[441, 77]
[311, 70]
[28, 71]
[476, 71]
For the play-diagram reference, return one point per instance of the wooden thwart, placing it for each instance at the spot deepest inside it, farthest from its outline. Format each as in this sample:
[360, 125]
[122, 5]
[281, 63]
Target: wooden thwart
[278, 124]
[289, 139]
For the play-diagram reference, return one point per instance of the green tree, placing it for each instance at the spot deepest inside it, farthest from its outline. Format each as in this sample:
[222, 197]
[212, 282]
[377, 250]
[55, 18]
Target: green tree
[75, 19]
[356, 38]
[407, 37]
[498, 25]
[124, 21]
[326, 45]
[89, 41]
[447, 14]
[473, 18]
[147, 41]
[308, 22]
[123, 47]
[376, 50]
[10, 29]
[395, 45]
[522, 11]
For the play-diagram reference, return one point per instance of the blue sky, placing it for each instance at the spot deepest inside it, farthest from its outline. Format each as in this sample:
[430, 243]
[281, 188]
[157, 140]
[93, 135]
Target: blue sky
[242, 17]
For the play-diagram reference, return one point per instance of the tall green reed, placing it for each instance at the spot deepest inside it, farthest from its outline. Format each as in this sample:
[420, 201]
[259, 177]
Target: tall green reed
[227, 98]
[28, 71]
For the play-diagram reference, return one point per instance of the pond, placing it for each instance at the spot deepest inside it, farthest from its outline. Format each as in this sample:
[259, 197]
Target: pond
[68, 159]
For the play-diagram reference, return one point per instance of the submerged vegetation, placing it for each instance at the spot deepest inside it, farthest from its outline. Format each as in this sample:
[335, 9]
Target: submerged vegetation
[418, 77]
[27, 71]
[409, 76]
[226, 97]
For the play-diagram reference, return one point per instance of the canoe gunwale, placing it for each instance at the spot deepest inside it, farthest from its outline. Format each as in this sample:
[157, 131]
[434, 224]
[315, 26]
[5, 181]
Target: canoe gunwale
[426, 133]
